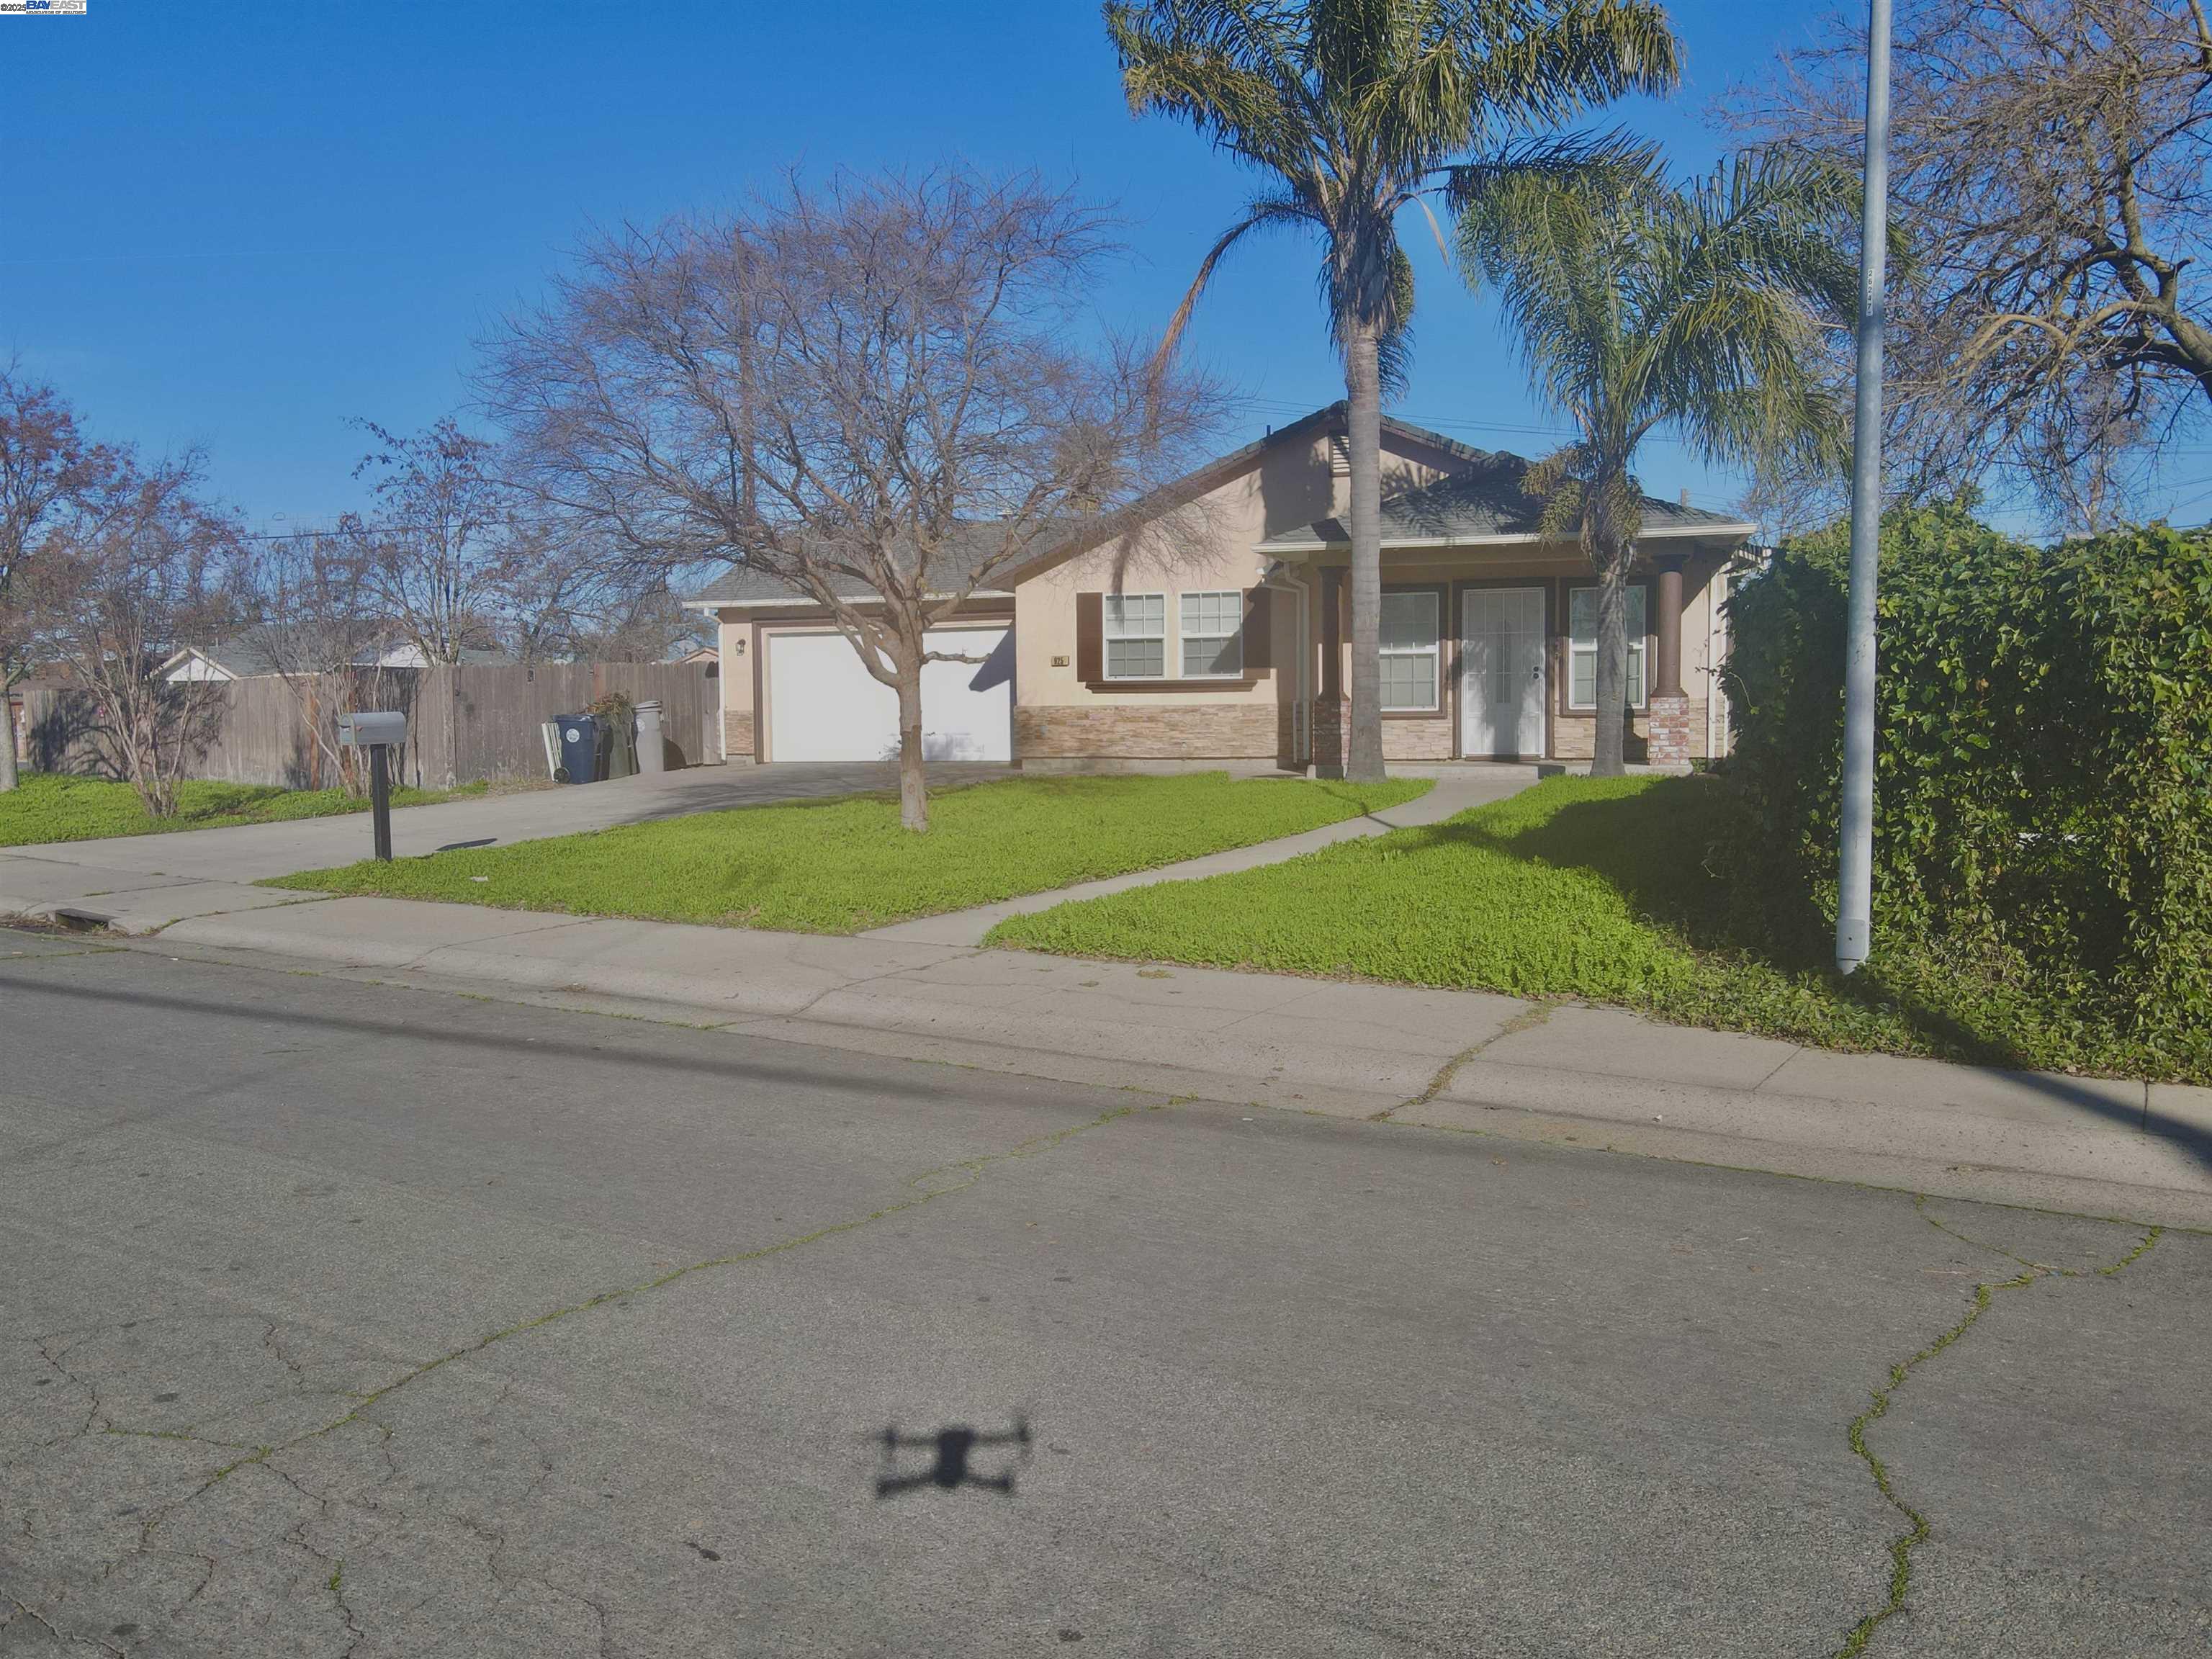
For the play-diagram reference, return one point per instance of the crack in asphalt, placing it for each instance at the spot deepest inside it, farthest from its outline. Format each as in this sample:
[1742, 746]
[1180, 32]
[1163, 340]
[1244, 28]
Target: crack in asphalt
[1917, 1528]
[1530, 1017]
[39, 1620]
[942, 1180]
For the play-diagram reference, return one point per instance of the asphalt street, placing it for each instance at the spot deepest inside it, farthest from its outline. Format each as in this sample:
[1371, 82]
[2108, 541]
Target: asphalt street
[343, 1319]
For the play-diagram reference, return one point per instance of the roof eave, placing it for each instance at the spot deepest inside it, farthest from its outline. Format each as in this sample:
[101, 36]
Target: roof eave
[800, 601]
[1730, 532]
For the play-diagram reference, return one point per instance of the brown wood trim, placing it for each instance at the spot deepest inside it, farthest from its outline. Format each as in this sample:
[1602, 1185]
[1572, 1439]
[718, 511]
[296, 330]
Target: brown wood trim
[1243, 683]
[1331, 633]
[760, 706]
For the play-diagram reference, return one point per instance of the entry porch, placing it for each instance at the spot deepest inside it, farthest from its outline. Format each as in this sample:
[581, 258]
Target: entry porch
[1487, 657]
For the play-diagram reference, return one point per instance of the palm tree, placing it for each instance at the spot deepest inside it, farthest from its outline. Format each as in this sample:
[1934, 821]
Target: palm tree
[1354, 108]
[1640, 305]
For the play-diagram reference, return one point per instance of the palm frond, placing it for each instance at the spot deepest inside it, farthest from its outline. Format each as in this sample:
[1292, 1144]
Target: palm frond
[1639, 304]
[1228, 68]
[1262, 213]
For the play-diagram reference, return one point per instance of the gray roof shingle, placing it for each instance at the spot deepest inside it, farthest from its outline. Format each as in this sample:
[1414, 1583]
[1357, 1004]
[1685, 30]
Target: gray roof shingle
[1484, 501]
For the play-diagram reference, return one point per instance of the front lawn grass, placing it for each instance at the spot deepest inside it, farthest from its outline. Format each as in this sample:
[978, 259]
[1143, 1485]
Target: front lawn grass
[47, 806]
[842, 866]
[1599, 889]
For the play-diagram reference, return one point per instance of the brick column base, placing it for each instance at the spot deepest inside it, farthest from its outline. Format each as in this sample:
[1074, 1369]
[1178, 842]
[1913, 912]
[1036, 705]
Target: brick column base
[1332, 718]
[1668, 723]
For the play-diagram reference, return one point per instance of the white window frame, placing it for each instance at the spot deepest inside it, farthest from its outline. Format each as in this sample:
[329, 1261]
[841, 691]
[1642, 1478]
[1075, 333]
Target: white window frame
[1184, 635]
[1111, 629]
[1639, 643]
[1434, 651]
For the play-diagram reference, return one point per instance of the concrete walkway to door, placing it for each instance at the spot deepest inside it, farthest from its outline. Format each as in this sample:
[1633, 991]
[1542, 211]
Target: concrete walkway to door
[1458, 787]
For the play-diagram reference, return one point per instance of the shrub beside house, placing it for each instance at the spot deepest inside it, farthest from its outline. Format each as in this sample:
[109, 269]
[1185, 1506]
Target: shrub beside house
[2043, 771]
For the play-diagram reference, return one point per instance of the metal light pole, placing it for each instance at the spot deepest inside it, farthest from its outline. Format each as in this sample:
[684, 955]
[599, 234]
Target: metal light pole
[1855, 871]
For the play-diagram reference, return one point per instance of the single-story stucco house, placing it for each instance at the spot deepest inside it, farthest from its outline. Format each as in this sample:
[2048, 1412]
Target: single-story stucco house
[1224, 640]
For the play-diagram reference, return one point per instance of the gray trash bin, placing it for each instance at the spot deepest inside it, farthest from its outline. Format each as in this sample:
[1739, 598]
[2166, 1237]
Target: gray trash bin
[617, 748]
[651, 756]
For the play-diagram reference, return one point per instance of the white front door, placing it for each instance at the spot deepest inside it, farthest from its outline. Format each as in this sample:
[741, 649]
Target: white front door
[1501, 673]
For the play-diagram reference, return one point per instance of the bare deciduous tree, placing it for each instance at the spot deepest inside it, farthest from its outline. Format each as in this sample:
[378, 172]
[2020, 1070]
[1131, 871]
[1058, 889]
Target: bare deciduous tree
[876, 391]
[48, 471]
[646, 625]
[139, 569]
[314, 615]
[439, 545]
[566, 593]
[2048, 162]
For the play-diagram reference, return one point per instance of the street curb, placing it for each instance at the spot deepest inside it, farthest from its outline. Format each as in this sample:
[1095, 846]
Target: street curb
[2037, 1147]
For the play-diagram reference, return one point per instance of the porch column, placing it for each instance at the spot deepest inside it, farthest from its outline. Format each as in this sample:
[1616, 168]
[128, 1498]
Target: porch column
[1668, 722]
[1328, 728]
[1667, 679]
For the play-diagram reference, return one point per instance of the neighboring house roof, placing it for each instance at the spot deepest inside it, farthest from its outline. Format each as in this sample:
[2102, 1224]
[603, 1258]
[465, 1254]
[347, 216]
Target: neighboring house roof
[265, 651]
[409, 655]
[227, 659]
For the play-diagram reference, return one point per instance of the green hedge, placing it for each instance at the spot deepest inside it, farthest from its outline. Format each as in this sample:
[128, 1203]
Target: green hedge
[2043, 774]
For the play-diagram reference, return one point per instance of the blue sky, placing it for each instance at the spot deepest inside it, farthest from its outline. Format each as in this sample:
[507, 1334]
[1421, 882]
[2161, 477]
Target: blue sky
[237, 225]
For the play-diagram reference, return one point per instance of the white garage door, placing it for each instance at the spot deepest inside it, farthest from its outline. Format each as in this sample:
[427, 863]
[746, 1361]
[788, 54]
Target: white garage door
[823, 706]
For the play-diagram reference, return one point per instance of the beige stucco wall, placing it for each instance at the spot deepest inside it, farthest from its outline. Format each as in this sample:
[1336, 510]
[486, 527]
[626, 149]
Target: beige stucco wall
[1207, 546]
[1204, 546]
[734, 635]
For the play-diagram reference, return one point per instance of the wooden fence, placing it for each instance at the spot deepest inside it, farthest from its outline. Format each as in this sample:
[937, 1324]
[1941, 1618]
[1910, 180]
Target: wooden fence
[479, 721]
[463, 724]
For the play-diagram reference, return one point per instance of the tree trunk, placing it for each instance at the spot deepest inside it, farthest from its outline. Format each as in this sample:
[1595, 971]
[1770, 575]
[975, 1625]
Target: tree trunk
[1607, 756]
[914, 783]
[1363, 383]
[7, 734]
[452, 732]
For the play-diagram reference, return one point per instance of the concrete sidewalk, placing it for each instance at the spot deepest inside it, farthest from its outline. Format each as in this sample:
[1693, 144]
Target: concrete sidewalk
[1447, 1060]
[1456, 792]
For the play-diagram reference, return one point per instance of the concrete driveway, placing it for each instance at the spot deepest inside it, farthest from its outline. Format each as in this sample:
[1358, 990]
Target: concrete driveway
[250, 853]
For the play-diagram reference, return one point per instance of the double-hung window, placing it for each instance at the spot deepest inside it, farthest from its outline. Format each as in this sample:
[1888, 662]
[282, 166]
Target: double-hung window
[1136, 636]
[1581, 646]
[1410, 651]
[1213, 636]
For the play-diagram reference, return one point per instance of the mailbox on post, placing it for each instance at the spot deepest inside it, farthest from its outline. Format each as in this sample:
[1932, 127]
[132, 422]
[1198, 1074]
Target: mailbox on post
[379, 734]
